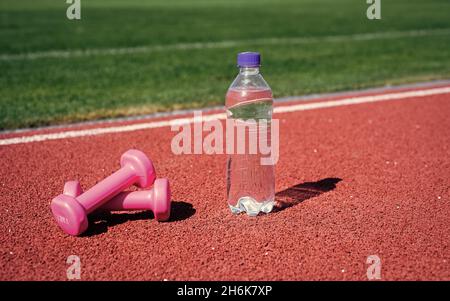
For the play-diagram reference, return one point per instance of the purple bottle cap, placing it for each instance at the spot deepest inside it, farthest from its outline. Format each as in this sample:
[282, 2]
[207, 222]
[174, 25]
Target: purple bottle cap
[249, 59]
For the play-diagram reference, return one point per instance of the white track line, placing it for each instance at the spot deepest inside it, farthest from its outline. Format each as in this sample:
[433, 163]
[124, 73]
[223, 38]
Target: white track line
[280, 109]
[362, 99]
[223, 44]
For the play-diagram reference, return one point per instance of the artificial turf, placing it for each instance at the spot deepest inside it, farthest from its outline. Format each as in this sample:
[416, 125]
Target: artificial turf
[88, 78]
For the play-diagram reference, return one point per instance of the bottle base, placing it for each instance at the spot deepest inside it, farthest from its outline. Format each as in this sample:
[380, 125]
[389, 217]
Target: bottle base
[251, 206]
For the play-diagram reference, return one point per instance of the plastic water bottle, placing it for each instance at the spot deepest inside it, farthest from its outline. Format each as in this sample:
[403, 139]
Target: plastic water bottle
[250, 185]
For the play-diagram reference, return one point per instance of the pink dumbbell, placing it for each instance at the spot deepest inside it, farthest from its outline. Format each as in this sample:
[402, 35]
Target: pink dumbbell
[156, 199]
[71, 212]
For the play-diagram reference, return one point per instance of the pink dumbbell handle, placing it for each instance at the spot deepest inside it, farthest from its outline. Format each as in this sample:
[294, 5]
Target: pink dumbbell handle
[109, 187]
[130, 200]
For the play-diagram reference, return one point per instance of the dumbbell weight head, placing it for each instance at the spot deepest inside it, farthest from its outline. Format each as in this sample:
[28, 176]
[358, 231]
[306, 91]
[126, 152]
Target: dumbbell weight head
[142, 165]
[161, 199]
[69, 214]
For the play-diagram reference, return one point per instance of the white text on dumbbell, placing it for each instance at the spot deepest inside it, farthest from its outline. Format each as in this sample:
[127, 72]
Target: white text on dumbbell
[62, 219]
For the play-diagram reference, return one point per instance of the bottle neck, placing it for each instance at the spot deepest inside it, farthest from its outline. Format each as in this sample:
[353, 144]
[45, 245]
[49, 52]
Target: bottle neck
[248, 70]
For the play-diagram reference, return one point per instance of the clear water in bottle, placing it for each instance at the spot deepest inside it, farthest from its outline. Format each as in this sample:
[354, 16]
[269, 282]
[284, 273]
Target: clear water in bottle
[250, 185]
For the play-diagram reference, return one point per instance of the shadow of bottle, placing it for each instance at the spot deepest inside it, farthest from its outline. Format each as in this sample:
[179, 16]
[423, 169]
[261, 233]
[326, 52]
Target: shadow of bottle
[296, 194]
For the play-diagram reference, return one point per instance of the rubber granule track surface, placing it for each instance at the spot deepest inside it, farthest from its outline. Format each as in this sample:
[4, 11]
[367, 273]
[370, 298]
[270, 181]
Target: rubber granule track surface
[352, 181]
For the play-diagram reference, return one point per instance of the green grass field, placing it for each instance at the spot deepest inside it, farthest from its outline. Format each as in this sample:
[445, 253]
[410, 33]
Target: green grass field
[128, 58]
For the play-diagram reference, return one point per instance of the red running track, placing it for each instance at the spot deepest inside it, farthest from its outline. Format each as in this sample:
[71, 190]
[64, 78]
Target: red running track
[357, 180]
